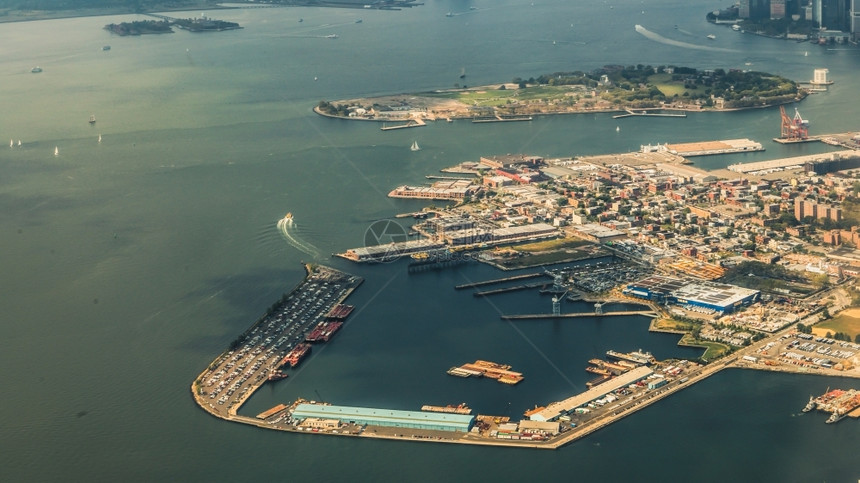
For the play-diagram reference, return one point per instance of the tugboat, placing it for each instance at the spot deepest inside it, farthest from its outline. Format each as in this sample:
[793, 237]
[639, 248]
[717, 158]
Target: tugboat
[836, 416]
[810, 405]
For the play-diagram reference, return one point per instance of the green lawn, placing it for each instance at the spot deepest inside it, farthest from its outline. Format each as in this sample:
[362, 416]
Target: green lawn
[713, 350]
[841, 323]
[667, 86]
[500, 97]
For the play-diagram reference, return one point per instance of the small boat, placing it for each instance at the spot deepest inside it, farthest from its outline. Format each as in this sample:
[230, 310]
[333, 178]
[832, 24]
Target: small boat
[332, 36]
[358, 20]
[449, 14]
[36, 69]
[301, 20]
[93, 119]
[106, 47]
[56, 151]
[617, 128]
[414, 146]
[463, 73]
[711, 36]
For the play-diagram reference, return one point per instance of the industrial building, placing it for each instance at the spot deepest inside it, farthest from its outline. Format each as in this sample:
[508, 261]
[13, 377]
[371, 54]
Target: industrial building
[719, 297]
[385, 417]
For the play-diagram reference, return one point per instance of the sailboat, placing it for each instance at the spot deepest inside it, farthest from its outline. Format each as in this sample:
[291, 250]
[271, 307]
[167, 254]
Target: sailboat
[463, 73]
[56, 151]
[100, 138]
[617, 128]
[93, 119]
[19, 142]
[11, 143]
[414, 146]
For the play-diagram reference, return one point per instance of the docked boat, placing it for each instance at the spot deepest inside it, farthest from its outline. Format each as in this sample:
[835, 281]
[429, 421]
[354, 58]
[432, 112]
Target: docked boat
[810, 405]
[276, 376]
[637, 357]
[296, 355]
[415, 146]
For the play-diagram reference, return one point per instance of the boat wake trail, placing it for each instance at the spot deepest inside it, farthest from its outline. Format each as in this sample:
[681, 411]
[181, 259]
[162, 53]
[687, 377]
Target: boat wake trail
[663, 40]
[288, 229]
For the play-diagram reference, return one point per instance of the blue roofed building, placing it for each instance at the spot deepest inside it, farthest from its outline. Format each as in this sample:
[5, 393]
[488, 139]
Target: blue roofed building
[386, 417]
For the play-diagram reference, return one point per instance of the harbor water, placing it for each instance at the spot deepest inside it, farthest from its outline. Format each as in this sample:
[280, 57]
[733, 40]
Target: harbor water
[133, 256]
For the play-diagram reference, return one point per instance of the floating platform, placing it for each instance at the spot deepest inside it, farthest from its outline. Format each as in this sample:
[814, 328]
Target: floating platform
[492, 370]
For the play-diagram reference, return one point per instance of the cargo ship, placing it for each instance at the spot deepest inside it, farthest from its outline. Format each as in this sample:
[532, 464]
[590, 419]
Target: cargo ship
[340, 311]
[296, 355]
[451, 409]
[323, 331]
[636, 357]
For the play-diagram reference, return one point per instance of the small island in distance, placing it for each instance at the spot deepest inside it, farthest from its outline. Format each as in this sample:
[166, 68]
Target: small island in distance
[141, 27]
[610, 88]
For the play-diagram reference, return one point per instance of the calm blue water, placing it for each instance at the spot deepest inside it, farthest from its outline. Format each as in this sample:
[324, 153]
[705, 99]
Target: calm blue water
[129, 264]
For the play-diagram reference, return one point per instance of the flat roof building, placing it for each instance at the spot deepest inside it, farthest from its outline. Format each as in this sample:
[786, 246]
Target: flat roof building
[720, 297]
[555, 409]
[386, 417]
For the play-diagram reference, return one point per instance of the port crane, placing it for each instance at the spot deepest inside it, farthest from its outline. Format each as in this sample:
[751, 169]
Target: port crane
[795, 128]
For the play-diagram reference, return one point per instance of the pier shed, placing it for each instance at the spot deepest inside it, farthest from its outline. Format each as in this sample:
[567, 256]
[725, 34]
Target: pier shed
[386, 417]
[555, 409]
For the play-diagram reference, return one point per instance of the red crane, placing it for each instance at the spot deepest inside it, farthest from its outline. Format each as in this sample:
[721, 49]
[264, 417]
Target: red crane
[793, 128]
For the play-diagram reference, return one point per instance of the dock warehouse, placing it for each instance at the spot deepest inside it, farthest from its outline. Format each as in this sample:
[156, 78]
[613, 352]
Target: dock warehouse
[386, 417]
[555, 409]
[720, 297]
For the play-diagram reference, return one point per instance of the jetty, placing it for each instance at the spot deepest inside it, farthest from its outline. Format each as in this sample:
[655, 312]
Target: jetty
[410, 123]
[646, 313]
[500, 280]
[631, 113]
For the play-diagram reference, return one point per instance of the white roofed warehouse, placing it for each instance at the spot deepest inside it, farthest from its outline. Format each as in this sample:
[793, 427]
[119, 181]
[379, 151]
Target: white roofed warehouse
[386, 417]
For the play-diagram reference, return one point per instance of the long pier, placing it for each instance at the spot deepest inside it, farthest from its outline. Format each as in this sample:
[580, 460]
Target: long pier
[500, 280]
[646, 313]
[508, 289]
[646, 114]
[410, 123]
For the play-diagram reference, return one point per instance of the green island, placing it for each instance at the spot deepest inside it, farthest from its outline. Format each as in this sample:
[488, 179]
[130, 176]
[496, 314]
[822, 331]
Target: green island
[610, 88]
[140, 27]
